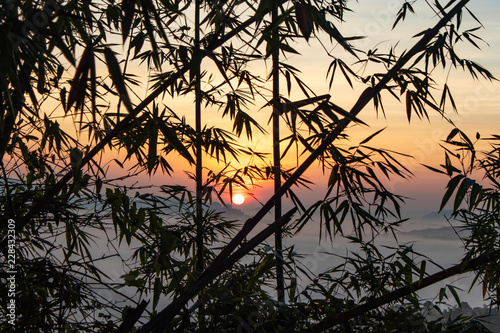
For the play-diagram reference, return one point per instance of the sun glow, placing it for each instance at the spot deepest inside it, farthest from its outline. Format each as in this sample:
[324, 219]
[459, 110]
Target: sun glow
[238, 199]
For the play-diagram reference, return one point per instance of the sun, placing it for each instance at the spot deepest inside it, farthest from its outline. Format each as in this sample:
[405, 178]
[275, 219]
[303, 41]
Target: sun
[238, 199]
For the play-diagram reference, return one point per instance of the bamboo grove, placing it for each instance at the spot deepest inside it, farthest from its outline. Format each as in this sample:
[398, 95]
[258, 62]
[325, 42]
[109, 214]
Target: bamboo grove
[188, 267]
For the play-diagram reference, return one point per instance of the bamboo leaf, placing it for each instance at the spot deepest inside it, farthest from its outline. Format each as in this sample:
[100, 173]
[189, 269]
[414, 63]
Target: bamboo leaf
[452, 134]
[304, 19]
[448, 165]
[78, 87]
[452, 100]
[128, 9]
[221, 68]
[329, 28]
[422, 271]
[152, 38]
[452, 185]
[462, 191]
[434, 169]
[372, 136]
[455, 294]
[157, 291]
[171, 137]
[408, 105]
[475, 195]
[117, 77]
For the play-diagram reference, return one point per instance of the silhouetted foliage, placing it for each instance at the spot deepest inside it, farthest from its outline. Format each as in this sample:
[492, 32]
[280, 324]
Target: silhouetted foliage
[96, 252]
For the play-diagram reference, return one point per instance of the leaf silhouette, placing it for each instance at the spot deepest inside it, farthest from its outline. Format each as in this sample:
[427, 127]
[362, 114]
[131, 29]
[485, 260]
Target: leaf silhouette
[128, 8]
[304, 19]
[78, 87]
[117, 77]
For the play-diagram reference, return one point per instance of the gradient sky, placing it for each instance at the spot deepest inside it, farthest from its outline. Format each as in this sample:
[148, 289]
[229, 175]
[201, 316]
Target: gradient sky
[477, 100]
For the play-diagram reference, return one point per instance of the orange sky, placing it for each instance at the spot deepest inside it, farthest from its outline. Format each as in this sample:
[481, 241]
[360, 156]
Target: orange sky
[477, 100]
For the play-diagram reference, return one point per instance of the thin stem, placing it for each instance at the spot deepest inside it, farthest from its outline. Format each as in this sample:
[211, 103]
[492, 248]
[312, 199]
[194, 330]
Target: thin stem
[199, 157]
[199, 161]
[278, 238]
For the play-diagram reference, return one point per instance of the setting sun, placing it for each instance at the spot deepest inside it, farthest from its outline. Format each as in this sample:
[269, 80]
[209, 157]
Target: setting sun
[238, 199]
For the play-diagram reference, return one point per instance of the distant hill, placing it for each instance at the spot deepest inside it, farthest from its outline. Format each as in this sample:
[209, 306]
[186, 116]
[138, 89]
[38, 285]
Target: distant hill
[445, 233]
[230, 211]
[437, 215]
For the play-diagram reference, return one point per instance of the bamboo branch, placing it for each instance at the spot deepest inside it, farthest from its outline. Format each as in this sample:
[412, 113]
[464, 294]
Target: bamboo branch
[404, 291]
[132, 317]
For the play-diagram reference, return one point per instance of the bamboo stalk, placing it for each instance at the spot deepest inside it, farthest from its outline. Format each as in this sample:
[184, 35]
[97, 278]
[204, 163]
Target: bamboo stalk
[278, 237]
[200, 232]
[199, 155]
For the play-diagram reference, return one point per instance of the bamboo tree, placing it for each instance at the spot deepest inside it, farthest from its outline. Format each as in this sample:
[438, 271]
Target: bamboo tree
[200, 233]
[199, 143]
[278, 240]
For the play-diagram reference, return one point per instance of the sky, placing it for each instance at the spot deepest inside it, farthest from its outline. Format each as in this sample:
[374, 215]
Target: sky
[477, 100]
